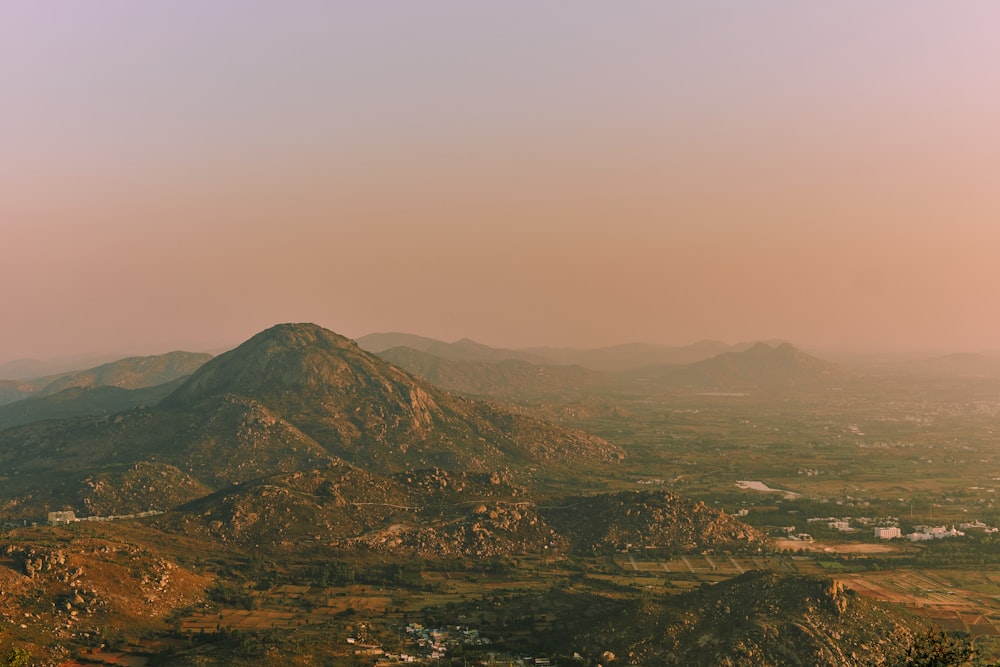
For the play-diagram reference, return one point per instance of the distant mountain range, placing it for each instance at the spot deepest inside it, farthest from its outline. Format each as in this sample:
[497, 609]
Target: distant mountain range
[609, 359]
[508, 379]
[129, 373]
[636, 355]
[460, 350]
[82, 401]
[25, 369]
[758, 366]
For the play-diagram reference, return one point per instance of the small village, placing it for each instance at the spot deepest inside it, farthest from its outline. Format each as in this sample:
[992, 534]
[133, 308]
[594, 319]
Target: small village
[423, 643]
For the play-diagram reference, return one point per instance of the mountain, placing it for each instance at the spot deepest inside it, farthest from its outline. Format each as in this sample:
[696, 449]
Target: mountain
[81, 401]
[129, 373]
[25, 369]
[510, 379]
[612, 359]
[635, 355]
[460, 350]
[377, 342]
[370, 412]
[760, 366]
[293, 398]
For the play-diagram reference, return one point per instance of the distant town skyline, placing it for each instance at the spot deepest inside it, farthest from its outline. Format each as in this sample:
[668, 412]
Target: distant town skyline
[574, 174]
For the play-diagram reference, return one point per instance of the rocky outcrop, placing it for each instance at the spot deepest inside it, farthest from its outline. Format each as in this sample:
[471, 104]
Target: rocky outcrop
[650, 519]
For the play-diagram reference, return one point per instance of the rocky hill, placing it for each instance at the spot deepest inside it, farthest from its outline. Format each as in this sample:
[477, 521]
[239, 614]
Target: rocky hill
[436, 513]
[427, 514]
[649, 519]
[369, 412]
[56, 592]
[760, 619]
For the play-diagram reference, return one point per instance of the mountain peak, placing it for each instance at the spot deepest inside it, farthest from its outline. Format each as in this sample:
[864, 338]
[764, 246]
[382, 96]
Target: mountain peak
[284, 357]
[301, 335]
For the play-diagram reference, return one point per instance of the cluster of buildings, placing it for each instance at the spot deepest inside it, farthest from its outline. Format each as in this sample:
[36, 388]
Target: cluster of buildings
[434, 643]
[922, 533]
[887, 528]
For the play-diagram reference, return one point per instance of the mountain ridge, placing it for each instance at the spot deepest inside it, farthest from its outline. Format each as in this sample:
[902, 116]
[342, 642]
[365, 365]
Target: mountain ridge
[125, 373]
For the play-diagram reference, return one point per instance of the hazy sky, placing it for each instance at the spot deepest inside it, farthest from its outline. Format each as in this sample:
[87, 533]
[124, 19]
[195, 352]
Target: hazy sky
[184, 174]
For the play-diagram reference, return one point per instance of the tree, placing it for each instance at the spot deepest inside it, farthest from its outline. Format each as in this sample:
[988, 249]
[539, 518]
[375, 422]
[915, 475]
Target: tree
[938, 649]
[17, 657]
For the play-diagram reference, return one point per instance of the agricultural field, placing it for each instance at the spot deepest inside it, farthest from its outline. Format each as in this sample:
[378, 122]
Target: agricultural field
[924, 451]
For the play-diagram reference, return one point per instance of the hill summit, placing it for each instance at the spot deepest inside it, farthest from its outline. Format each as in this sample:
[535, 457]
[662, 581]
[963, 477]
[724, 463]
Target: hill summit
[285, 358]
[760, 366]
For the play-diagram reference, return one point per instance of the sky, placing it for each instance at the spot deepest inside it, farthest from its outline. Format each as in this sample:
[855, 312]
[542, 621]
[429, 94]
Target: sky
[568, 173]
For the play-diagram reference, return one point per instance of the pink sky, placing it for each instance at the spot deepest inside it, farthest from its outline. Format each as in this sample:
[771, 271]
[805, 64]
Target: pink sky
[566, 173]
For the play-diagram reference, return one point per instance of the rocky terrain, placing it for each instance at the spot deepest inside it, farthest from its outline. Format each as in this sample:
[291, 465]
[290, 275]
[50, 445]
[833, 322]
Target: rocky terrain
[760, 619]
[145, 486]
[82, 590]
[649, 519]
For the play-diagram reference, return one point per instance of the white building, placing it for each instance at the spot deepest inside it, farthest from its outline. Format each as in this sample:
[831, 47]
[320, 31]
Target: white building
[887, 533]
[62, 517]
